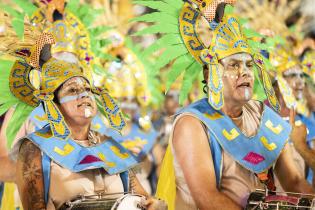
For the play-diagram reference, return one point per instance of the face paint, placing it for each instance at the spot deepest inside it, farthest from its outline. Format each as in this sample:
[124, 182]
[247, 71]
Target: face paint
[237, 65]
[87, 112]
[66, 99]
[247, 94]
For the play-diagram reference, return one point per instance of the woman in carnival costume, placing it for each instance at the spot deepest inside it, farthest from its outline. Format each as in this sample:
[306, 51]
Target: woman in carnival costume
[66, 158]
[73, 44]
[224, 146]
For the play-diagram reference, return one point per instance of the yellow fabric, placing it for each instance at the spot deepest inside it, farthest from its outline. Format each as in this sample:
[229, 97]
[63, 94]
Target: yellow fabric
[8, 202]
[166, 188]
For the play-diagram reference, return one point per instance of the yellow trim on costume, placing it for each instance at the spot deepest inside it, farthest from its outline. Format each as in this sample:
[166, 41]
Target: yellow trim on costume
[41, 118]
[233, 134]
[213, 116]
[276, 130]
[128, 144]
[67, 149]
[96, 126]
[269, 146]
[117, 152]
[103, 158]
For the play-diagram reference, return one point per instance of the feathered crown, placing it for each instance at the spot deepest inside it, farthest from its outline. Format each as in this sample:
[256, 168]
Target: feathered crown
[33, 54]
[177, 21]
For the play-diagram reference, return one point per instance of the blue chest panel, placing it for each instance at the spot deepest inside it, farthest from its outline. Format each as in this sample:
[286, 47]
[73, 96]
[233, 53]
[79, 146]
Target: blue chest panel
[39, 118]
[309, 122]
[109, 155]
[257, 153]
[137, 137]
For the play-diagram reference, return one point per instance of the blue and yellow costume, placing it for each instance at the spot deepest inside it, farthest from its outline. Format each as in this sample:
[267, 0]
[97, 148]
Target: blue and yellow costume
[54, 139]
[177, 21]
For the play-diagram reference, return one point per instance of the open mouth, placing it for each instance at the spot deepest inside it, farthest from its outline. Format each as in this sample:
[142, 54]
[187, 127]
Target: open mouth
[86, 104]
[244, 84]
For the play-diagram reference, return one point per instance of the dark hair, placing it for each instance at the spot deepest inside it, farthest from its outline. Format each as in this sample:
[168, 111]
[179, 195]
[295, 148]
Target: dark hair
[205, 79]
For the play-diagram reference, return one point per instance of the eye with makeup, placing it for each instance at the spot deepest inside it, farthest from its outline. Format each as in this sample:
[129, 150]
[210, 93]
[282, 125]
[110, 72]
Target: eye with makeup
[294, 75]
[250, 64]
[233, 66]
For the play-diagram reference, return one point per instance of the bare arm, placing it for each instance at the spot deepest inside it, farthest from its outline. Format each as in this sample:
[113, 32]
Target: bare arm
[288, 174]
[30, 177]
[193, 153]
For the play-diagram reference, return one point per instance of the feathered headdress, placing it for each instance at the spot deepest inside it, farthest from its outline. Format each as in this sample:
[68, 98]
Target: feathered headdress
[177, 22]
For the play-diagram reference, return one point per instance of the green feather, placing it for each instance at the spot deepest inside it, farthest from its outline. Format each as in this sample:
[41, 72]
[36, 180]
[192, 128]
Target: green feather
[18, 26]
[167, 39]
[159, 5]
[189, 77]
[170, 54]
[158, 28]
[21, 113]
[73, 5]
[157, 17]
[11, 11]
[250, 33]
[259, 91]
[179, 66]
[4, 107]
[175, 3]
[27, 6]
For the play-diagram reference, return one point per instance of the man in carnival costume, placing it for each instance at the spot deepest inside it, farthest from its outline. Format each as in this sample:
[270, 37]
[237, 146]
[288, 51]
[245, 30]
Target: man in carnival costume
[56, 163]
[225, 146]
[285, 67]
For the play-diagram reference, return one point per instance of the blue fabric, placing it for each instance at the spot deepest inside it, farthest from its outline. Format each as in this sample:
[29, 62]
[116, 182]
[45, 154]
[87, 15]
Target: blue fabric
[216, 152]
[137, 134]
[124, 176]
[46, 173]
[1, 192]
[110, 155]
[257, 153]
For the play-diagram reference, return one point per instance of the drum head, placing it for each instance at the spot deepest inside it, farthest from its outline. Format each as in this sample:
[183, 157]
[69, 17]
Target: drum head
[129, 202]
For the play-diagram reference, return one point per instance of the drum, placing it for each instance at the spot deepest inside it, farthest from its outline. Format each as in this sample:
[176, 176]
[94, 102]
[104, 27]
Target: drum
[266, 200]
[105, 202]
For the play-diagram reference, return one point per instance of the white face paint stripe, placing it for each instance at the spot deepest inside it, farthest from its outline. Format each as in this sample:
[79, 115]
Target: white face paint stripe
[76, 97]
[87, 112]
[246, 94]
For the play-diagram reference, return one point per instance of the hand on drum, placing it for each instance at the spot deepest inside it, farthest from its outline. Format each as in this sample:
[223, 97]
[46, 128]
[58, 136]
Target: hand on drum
[152, 203]
[299, 131]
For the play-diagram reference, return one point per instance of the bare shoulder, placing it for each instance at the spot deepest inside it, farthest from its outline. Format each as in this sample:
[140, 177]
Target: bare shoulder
[189, 135]
[188, 126]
